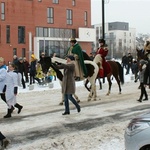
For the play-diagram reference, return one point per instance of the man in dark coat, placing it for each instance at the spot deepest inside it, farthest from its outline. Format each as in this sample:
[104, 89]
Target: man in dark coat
[21, 69]
[26, 67]
[129, 63]
[68, 84]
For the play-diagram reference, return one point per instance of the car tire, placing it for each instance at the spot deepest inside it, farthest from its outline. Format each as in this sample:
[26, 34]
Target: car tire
[147, 147]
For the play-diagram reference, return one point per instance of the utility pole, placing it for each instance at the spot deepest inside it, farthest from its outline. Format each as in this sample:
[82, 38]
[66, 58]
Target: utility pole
[103, 19]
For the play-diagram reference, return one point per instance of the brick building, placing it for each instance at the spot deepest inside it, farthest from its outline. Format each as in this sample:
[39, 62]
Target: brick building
[33, 26]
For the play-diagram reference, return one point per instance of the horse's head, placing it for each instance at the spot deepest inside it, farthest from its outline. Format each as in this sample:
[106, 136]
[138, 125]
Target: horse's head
[140, 54]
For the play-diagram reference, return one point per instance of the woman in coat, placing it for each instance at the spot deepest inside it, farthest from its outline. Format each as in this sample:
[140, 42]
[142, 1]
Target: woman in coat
[142, 68]
[11, 89]
[68, 84]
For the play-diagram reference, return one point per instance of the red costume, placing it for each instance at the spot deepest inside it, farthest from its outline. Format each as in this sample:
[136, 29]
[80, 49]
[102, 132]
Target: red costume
[103, 51]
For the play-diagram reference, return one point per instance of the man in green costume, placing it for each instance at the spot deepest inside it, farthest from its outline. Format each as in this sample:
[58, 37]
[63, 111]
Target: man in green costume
[76, 51]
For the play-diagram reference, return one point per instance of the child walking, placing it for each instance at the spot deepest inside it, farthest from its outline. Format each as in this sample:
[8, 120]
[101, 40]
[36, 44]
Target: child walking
[11, 89]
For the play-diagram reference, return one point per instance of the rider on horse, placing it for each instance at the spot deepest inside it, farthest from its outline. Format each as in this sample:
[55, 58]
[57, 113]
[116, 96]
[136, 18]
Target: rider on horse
[101, 53]
[76, 51]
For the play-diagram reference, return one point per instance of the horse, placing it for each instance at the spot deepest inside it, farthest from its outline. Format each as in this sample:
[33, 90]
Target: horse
[91, 67]
[116, 71]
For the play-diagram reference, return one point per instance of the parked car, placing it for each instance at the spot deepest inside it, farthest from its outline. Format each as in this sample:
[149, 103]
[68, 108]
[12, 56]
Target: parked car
[137, 133]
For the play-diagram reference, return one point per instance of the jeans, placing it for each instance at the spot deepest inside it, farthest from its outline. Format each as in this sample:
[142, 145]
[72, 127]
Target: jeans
[69, 97]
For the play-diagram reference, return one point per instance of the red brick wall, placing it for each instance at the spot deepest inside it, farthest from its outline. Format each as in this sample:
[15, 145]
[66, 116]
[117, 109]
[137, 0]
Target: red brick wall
[31, 13]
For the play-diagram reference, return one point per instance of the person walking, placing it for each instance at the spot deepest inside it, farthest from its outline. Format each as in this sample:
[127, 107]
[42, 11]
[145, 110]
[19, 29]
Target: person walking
[68, 84]
[15, 60]
[21, 69]
[124, 61]
[142, 68]
[3, 73]
[32, 69]
[13, 79]
[26, 69]
[76, 51]
[4, 141]
[129, 63]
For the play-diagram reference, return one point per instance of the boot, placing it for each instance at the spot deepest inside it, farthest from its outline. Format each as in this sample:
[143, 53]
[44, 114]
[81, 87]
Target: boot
[5, 143]
[8, 113]
[12, 109]
[19, 107]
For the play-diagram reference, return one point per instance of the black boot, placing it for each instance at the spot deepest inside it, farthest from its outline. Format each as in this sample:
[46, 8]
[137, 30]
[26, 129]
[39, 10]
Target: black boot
[8, 113]
[19, 107]
[12, 109]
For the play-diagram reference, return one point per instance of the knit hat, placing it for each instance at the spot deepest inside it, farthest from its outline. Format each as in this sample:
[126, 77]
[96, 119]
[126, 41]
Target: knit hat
[32, 56]
[1, 59]
[20, 58]
[142, 62]
[71, 57]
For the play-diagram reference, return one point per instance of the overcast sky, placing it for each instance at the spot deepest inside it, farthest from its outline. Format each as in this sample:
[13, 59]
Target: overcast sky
[135, 12]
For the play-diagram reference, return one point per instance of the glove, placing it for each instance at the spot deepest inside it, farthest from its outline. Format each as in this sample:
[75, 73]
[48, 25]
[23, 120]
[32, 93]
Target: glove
[4, 89]
[15, 90]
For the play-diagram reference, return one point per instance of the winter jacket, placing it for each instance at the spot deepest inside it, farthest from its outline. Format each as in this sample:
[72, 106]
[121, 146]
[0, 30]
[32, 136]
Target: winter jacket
[68, 82]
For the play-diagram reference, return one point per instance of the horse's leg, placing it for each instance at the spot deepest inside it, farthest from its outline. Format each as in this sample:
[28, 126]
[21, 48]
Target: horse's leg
[118, 82]
[100, 83]
[76, 97]
[86, 82]
[109, 83]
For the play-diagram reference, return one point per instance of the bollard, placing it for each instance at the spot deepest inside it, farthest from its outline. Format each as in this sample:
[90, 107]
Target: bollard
[31, 87]
[50, 85]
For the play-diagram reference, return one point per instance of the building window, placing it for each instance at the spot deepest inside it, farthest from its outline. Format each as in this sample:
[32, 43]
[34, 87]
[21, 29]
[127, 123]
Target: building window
[69, 16]
[85, 18]
[55, 1]
[8, 34]
[50, 15]
[73, 2]
[21, 34]
[42, 32]
[23, 52]
[14, 51]
[2, 11]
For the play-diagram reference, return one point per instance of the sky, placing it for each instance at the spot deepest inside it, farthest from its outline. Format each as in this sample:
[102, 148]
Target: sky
[135, 12]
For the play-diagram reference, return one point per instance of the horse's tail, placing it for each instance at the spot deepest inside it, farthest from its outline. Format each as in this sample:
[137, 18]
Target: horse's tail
[121, 74]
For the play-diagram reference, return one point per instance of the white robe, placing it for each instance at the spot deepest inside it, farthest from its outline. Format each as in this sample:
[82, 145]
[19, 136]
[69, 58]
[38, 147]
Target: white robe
[11, 82]
[3, 73]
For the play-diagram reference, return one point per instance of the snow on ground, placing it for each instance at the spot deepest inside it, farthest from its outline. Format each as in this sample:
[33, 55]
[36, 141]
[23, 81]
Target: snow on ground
[41, 126]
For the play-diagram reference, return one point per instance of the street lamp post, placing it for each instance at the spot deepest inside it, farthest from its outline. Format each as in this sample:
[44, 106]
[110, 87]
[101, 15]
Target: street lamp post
[103, 19]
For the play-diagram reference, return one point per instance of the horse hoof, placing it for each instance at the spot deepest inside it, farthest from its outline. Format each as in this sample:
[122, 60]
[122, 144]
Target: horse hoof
[78, 101]
[94, 99]
[61, 103]
[89, 100]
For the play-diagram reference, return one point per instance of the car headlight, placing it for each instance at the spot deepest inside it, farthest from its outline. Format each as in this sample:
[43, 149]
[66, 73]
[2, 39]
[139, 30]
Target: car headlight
[136, 127]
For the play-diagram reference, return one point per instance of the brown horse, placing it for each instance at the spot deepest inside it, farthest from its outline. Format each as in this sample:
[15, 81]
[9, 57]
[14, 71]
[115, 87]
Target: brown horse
[117, 72]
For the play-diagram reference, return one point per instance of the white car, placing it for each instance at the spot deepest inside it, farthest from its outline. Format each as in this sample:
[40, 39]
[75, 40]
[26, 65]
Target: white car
[137, 133]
